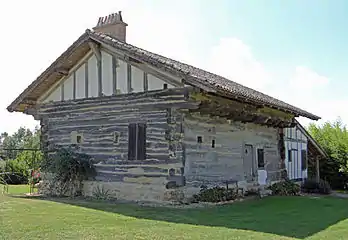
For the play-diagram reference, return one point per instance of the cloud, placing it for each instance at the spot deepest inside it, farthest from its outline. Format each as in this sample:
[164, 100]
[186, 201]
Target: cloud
[309, 90]
[307, 79]
[234, 60]
[303, 87]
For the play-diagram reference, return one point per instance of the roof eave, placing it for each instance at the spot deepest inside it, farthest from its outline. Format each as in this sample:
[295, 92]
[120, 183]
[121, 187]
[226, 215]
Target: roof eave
[312, 140]
[13, 107]
[87, 35]
[296, 113]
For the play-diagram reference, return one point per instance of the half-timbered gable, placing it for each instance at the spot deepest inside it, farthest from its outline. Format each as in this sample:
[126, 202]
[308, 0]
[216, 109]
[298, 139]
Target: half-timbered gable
[117, 77]
[303, 153]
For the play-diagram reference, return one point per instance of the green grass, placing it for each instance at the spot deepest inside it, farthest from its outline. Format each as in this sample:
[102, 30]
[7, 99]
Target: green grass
[17, 189]
[270, 218]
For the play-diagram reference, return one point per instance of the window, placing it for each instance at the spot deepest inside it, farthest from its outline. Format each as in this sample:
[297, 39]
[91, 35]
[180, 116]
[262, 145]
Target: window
[165, 86]
[76, 138]
[260, 158]
[199, 139]
[303, 160]
[116, 137]
[213, 143]
[137, 141]
[289, 155]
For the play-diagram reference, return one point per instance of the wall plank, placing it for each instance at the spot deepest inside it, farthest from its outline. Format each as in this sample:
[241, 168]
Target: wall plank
[107, 73]
[92, 77]
[68, 88]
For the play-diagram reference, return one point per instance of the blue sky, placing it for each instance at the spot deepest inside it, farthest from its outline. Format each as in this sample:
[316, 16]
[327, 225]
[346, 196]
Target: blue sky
[293, 50]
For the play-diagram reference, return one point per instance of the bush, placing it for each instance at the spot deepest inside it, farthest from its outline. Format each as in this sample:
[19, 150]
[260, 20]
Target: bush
[285, 188]
[215, 194]
[312, 186]
[69, 168]
[101, 193]
[16, 172]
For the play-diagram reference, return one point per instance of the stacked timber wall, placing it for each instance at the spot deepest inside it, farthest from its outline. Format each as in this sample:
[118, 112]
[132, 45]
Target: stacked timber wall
[214, 152]
[97, 120]
[183, 149]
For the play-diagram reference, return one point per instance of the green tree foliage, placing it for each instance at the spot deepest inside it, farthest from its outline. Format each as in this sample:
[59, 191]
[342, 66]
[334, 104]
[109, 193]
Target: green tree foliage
[333, 137]
[18, 164]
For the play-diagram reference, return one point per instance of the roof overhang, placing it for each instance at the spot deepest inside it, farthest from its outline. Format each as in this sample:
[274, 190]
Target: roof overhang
[312, 143]
[59, 68]
[65, 62]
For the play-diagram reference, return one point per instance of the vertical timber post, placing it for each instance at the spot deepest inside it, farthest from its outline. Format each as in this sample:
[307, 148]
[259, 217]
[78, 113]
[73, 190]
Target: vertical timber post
[281, 147]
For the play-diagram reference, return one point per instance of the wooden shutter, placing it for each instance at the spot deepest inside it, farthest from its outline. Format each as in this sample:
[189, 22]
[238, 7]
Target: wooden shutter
[132, 141]
[141, 142]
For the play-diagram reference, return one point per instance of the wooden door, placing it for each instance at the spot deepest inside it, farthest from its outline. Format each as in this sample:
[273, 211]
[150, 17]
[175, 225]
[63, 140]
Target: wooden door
[248, 163]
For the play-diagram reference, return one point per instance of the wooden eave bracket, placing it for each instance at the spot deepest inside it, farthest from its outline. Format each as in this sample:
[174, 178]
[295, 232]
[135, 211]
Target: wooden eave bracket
[63, 71]
[95, 49]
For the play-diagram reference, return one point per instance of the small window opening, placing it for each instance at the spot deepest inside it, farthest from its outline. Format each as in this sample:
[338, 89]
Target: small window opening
[171, 172]
[213, 143]
[165, 86]
[199, 139]
[116, 137]
[78, 138]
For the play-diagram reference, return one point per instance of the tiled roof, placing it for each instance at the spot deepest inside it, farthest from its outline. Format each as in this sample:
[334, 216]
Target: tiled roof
[201, 77]
[194, 76]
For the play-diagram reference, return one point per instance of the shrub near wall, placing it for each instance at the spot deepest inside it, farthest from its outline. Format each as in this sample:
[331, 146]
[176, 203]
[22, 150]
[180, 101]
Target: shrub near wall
[67, 169]
[215, 194]
[285, 188]
[312, 186]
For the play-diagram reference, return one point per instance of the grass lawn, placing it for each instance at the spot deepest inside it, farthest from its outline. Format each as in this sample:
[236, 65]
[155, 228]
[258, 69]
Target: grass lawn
[270, 218]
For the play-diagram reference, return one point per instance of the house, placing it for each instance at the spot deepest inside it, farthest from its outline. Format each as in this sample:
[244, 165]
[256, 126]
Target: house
[153, 124]
[302, 152]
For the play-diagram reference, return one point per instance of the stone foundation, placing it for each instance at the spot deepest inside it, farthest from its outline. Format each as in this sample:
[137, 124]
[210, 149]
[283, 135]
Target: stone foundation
[126, 191]
[139, 192]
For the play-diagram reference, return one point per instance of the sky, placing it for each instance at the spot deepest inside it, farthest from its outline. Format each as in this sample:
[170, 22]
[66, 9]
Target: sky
[293, 50]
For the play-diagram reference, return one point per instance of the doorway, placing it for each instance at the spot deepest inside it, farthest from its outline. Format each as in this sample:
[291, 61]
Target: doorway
[249, 163]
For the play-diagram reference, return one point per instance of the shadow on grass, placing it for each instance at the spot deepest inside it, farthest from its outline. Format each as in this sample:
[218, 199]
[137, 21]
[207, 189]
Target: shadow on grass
[297, 217]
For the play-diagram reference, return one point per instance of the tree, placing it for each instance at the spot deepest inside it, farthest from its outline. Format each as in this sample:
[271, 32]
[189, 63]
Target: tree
[19, 163]
[333, 137]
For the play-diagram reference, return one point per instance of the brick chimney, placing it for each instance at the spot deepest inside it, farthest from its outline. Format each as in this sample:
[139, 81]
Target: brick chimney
[112, 25]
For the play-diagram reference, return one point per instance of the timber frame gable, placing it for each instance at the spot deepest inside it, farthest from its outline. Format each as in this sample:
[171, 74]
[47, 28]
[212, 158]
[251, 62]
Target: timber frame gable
[113, 74]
